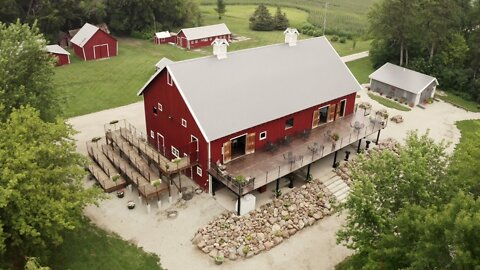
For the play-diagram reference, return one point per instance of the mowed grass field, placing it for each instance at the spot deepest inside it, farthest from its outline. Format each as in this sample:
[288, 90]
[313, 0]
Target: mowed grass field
[93, 86]
[90, 248]
[346, 16]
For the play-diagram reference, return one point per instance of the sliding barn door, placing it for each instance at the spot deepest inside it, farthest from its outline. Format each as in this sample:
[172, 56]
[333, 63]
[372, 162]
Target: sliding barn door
[339, 108]
[250, 145]
[331, 112]
[316, 118]
[227, 152]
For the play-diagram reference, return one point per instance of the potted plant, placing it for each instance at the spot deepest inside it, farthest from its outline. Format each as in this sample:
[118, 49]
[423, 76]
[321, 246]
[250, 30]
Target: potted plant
[277, 193]
[130, 205]
[157, 183]
[120, 193]
[219, 260]
[335, 137]
[240, 179]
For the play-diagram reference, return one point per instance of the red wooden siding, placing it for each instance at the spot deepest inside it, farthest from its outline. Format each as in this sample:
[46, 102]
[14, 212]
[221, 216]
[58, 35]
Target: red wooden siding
[168, 123]
[276, 129]
[164, 40]
[194, 44]
[62, 59]
[101, 45]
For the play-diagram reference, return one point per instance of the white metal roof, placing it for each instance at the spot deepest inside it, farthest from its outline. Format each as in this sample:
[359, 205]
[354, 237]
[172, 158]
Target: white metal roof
[84, 35]
[163, 62]
[206, 31]
[403, 78]
[164, 34]
[56, 49]
[258, 85]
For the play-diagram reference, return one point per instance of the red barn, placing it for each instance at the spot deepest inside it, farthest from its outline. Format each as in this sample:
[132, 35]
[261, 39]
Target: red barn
[62, 56]
[164, 37]
[93, 43]
[236, 107]
[196, 37]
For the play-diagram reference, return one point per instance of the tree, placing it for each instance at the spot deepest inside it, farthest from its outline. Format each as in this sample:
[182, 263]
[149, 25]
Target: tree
[261, 19]
[26, 72]
[432, 238]
[387, 181]
[41, 187]
[220, 9]
[280, 20]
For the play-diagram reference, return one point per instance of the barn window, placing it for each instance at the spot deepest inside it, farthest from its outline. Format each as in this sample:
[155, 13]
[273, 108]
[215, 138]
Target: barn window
[175, 152]
[199, 171]
[184, 122]
[154, 110]
[160, 107]
[263, 135]
[169, 79]
[289, 123]
[191, 42]
[152, 134]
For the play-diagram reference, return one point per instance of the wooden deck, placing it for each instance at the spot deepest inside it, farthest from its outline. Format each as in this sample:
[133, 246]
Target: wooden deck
[263, 167]
[103, 170]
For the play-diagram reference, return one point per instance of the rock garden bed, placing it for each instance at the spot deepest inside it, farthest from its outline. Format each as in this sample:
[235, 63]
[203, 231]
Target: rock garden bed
[231, 236]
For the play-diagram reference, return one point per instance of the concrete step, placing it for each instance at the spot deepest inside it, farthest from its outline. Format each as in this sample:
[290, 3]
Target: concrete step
[338, 188]
[335, 184]
[342, 198]
[330, 180]
[342, 191]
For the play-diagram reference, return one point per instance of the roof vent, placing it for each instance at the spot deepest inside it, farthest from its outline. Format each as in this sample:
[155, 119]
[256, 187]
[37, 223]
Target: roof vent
[291, 36]
[220, 48]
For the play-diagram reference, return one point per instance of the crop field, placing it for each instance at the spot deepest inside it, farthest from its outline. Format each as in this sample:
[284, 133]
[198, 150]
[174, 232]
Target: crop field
[343, 16]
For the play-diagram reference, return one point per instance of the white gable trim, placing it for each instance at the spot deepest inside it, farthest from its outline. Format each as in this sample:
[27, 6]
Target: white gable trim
[345, 65]
[428, 84]
[188, 104]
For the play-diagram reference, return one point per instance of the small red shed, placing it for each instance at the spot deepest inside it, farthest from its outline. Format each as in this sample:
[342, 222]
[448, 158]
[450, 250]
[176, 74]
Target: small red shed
[63, 57]
[197, 37]
[164, 37]
[92, 43]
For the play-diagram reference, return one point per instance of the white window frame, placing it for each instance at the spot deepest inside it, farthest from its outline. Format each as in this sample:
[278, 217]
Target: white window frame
[194, 139]
[160, 107]
[169, 79]
[199, 171]
[293, 124]
[184, 123]
[262, 135]
[152, 134]
[175, 152]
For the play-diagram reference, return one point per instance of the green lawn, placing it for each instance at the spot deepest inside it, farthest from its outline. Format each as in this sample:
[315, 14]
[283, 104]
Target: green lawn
[461, 102]
[92, 86]
[361, 69]
[388, 102]
[90, 248]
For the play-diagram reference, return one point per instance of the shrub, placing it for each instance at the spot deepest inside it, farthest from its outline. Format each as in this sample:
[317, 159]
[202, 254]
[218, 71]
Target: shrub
[334, 38]
[342, 40]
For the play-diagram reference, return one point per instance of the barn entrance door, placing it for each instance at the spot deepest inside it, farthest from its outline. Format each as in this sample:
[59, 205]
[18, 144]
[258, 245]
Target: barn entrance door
[227, 151]
[161, 143]
[100, 51]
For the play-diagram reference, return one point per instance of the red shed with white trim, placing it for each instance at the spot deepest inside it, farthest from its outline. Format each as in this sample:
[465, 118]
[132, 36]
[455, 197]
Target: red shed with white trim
[164, 37]
[232, 104]
[197, 37]
[92, 43]
[62, 56]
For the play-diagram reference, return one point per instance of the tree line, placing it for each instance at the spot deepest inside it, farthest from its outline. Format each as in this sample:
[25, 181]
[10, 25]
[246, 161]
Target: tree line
[41, 188]
[437, 37]
[262, 20]
[414, 206]
[123, 16]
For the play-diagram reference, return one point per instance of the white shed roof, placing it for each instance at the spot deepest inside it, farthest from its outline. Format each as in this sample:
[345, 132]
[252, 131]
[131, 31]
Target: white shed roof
[164, 34]
[163, 62]
[56, 49]
[403, 78]
[258, 85]
[206, 31]
[84, 35]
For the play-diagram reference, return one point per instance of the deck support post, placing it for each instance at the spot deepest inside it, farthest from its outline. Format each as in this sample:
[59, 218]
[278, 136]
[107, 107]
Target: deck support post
[335, 159]
[367, 145]
[238, 204]
[170, 199]
[213, 186]
[308, 171]
[290, 184]
[140, 199]
[148, 208]
[159, 203]
[359, 145]
[378, 137]
[347, 155]
[277, 187]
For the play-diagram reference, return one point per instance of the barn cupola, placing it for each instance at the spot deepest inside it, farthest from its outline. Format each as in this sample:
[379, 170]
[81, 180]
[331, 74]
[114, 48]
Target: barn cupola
[291, 36]
[220, 48]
